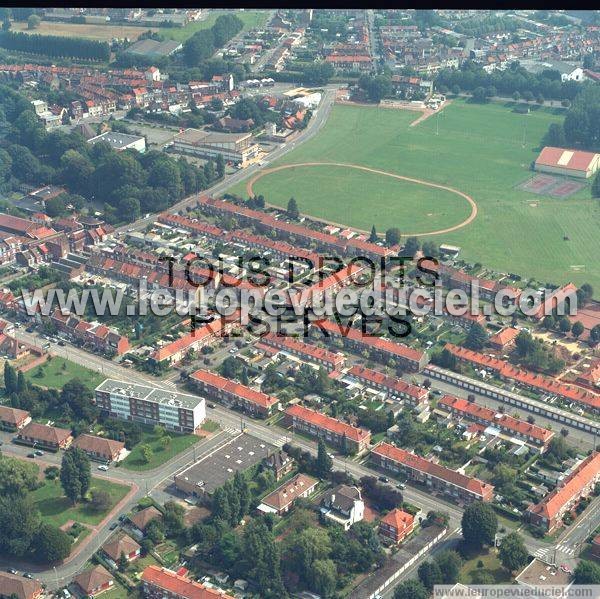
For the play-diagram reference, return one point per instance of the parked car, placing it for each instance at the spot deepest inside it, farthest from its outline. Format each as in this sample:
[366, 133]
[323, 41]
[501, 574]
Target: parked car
[103, 467]
[27, 575]
[61, 342]
[38, 452]
[31, 455]
[384, 479]
[11, 571]
[113, 525]
[212, 405]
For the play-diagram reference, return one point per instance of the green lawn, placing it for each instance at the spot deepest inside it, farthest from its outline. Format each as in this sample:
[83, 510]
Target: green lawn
[479, 151]
[57, 509]
[179, 443]
[251, 19]
[58, 371]
[491, 565]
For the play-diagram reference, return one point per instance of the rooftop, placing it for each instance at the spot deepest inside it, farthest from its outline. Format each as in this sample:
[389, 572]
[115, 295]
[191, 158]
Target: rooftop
[115, 139]
[160, 396]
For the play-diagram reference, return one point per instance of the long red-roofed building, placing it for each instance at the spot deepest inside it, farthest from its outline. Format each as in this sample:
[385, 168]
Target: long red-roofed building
[407, 357]
[536, 382]
[234, 394]
[328, 359]
[396, 388]
[333, 431]
[160, 583]
[530, 433]
[580, 483]
[434, 476]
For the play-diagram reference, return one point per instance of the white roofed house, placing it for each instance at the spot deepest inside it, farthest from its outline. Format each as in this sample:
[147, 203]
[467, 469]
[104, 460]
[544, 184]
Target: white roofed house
[343, 505]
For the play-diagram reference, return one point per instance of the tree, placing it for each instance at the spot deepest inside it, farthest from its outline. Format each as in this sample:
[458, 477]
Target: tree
[373, 237]
[479, 524]
[292, 209]
[220, 166]
[476, 338]
[548, 322]
[577, 329]
[10, 378]
[586, 572]
[165, 442]
[392, 236]
[33, 22]
[324, 577]
[324, 462]
[75, 475]
[516, 96]
[123, 562]
[595, 335]
[430, 575]
[56, 206]
[173, 519]
[411, 246]
[564, 324]
[596, 186]
[555, 136]
[19, 522]
[22, 383]
[512, 552]
[52, 544]
[16, 476]
[449, 563]
[376, 88]
[99, 500]
[146, 452]
[479, 95]
[411, 589]
[220, 505]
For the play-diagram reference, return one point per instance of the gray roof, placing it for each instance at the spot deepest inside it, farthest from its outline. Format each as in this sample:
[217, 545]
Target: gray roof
[154, 48]
[115, 139]
[218, 467]
[160, 396]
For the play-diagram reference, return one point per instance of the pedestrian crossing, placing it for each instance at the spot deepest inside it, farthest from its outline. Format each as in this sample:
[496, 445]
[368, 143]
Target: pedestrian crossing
[545, 553]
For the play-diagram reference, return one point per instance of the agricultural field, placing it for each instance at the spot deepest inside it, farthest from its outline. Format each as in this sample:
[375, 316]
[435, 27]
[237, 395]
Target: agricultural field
[103, 33]
[251, 19]
[483, 151]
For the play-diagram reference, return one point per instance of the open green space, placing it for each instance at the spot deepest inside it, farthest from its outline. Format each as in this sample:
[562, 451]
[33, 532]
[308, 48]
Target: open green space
[57, 509]
[250, 18]
[135, 460]
[367, 197]
[486, 562]
[57, 371]
[483, 150]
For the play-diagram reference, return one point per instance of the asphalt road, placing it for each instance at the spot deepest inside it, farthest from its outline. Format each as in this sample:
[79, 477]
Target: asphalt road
[315, 125]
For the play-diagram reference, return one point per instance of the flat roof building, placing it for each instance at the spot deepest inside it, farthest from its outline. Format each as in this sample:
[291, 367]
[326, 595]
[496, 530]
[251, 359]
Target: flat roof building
[121, 141]
[214, 470]
[179, 412]
[234, 147]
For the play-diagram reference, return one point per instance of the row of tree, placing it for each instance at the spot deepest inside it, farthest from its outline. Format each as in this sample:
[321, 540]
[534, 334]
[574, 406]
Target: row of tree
[471, 76]
[55, 46]
[203, 44]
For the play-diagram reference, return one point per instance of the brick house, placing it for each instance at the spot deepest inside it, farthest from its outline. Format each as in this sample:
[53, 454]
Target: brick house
[13, 419]
[396, 525]
[94, 581]
[100, 448]
[47, 437]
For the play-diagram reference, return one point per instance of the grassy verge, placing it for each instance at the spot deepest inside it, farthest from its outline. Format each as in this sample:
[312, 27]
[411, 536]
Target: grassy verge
[57, 509]
[58, 371]
[135, 460]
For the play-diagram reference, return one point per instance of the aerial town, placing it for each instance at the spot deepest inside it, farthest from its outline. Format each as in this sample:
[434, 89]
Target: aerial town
[298, 303]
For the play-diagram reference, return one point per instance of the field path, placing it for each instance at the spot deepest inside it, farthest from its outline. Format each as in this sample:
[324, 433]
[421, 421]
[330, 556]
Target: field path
[250, 185]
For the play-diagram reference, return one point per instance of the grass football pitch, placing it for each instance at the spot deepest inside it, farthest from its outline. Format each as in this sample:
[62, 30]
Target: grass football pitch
[484, 151]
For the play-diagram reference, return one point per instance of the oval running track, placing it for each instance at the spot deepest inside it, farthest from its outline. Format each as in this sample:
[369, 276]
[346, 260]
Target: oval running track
[467, 221]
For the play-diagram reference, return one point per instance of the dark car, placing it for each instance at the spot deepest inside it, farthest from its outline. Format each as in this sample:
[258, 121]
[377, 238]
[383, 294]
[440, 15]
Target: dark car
[11, 571]
[212, 405]
[31, 455]
[384, 479]
[113, 525]
[61, 342]
[27, 575]
[30, 329]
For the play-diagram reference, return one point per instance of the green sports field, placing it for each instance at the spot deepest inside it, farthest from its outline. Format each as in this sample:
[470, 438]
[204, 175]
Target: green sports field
[482, 150]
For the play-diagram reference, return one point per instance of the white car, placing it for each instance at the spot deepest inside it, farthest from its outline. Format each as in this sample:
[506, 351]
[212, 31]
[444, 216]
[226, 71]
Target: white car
[103, 467]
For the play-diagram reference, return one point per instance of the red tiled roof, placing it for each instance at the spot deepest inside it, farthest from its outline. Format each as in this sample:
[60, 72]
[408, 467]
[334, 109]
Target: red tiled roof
[378, 343]
[45, 433]
[178, 586]
[568, 159]
[295, 346]
[504, 337]
[525, 377]
[398, 519]
[98, 445]
[23, 588]
[328, 423]
[287, 493]
[122, 544]
[12, 415]
[92, 579]
[495, 418]
[420, 464]
[389, 382]
[219, 382]
[570, 488]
